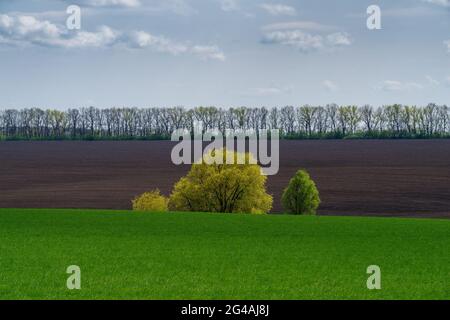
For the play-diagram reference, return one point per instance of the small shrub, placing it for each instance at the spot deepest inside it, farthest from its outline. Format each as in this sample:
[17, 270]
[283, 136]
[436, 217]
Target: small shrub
[150, 201]
[301, 195]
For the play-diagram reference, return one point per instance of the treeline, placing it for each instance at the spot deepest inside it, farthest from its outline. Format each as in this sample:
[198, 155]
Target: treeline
[304, 122]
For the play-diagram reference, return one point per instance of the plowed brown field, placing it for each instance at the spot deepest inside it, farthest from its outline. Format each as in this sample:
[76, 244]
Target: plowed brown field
[354, 177]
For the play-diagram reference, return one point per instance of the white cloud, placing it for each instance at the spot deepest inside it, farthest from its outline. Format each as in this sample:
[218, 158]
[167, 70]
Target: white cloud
[105, 36]
[278, 9]
[109, 3]
[443, 3]
[413, 12]
[405, 12]
[431, 81]
[297, 25]
[229, 5]
[339, 39]
[447, 45]
[294, 34]
[447, 81]
[330, 86]
[142, 39]
[180, 7]
[306, 42]
[394, 85]
[208, 52]
[296, 38]
[24, 26]
[27, 30]
[267, 91]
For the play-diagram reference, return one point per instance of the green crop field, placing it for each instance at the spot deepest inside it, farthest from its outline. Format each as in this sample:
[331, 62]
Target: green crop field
[129, 255]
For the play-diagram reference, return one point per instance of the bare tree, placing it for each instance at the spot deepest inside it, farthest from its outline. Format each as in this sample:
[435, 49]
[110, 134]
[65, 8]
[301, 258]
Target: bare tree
[305, 121]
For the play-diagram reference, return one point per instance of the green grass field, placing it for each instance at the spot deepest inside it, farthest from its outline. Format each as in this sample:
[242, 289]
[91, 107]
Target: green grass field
[128, 255]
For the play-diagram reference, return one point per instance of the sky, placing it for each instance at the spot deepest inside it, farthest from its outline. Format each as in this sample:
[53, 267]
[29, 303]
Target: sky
[224, 53]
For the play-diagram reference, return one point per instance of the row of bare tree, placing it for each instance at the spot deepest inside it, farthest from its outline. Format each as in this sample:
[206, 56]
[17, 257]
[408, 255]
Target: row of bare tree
[330, 121]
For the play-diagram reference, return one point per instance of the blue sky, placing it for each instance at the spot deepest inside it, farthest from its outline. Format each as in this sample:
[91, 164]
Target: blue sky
[225, 53]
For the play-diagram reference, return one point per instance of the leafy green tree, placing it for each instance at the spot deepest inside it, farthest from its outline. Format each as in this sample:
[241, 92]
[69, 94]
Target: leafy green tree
[150, 201]
[213, 185]
[301, 195]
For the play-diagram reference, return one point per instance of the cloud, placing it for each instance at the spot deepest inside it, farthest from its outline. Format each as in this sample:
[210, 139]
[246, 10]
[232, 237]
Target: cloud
[405, 12]
[411, 12]
[180, 7]
[443, 3]
[300, 25]
[267, 91]
[298, 34]
[447, 81]
[447, 45]
[431, 81]
[330, 86]
[229, 5]
[208, 53]
[103, 37]
[306, 42]
[278, 9]
[339, 39]
[142, 39]
[108, 3]
[27, 31]
[394, 85]
[295, 38]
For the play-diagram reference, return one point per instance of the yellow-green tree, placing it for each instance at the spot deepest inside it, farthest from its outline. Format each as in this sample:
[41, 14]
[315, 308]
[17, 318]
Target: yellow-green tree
[150, 201]
[216, 186]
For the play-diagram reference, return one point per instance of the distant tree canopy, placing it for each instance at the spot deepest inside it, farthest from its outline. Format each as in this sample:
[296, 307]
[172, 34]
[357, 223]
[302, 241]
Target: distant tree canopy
[228, 188]
[303, 122]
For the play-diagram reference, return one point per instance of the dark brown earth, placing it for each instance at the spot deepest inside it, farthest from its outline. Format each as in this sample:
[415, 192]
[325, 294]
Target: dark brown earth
[354, 177]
